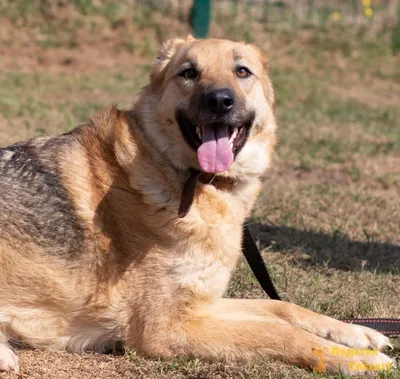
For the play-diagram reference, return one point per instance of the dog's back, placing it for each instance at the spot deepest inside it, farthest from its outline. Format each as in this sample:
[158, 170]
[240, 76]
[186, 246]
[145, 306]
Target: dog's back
[35, 206]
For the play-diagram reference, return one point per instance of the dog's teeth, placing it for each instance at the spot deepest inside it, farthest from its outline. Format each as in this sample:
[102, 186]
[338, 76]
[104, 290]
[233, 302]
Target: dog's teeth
[234, 134]
[198, 131]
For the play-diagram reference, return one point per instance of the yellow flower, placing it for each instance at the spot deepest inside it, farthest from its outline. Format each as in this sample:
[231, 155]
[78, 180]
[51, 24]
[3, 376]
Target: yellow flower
[367, 3]
[336, 16]
[368, 12]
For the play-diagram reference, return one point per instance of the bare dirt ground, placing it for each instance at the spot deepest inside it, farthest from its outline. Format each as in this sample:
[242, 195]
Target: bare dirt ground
[328, 219]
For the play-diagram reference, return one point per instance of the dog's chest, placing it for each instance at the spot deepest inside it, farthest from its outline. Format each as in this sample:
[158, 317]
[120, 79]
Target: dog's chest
[203, 278]
[208, 253]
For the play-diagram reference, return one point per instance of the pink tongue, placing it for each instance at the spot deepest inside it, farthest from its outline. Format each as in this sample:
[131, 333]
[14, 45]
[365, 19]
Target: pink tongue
[214, 154]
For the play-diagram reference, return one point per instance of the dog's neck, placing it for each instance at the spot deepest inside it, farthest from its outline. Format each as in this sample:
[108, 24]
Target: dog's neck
[189, 188]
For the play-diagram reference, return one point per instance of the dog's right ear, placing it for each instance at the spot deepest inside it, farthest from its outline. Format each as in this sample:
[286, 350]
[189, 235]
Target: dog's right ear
[165, 54]
[268, 88]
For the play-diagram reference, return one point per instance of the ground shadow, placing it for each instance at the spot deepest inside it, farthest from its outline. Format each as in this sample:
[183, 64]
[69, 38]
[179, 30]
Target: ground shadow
[336, 251]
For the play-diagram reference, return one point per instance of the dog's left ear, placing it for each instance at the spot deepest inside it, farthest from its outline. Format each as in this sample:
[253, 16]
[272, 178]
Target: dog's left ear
[166, 52]
[268, 87]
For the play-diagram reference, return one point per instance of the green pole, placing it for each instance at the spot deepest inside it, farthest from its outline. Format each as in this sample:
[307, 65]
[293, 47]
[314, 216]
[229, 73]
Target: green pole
[396, 34]
[201, 14]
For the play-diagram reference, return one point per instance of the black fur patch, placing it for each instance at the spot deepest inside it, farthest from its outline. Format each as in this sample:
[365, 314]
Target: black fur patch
[34, 205]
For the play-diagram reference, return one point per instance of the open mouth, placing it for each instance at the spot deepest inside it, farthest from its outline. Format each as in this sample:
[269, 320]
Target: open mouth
[217, 144]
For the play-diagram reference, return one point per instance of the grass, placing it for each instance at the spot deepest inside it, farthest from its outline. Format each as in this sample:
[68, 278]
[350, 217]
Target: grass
[59, 102]
[328, 219]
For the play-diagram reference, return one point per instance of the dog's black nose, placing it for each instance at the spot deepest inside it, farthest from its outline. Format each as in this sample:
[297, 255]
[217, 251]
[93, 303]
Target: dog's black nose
[218, 101]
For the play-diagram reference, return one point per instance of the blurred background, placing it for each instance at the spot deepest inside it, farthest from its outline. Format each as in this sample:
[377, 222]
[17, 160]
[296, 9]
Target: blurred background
[103, 50]
[328, 219]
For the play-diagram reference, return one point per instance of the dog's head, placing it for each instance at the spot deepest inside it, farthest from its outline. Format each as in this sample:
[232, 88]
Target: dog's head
[212, 107]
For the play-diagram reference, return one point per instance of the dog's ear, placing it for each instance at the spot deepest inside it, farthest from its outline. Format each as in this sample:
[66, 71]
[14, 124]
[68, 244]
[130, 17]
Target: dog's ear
[268, 87]
[166, 52]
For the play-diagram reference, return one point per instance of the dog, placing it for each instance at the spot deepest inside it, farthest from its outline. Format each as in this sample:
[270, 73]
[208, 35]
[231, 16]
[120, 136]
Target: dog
[128, 228]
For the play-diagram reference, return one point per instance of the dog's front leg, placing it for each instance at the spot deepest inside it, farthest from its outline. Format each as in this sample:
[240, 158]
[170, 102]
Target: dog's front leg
[354, 336]
[236, 330]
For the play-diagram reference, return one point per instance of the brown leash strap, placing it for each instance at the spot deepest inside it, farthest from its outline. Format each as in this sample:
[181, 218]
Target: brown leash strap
[387, 326]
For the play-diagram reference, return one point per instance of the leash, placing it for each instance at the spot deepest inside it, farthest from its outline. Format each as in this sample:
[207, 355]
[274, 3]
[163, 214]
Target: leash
[387, 326]
[257, 265]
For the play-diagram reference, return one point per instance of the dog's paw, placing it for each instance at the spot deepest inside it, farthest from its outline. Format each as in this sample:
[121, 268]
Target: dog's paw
[369, 365]
[359, 337]
[8, 360]
[350, 362]
[376, 340]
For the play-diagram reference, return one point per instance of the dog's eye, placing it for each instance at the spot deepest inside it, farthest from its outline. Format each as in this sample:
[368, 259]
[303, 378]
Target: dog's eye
[243, 72]
[189, 73]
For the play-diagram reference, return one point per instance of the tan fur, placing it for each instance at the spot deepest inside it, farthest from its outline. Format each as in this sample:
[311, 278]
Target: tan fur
[145, 276]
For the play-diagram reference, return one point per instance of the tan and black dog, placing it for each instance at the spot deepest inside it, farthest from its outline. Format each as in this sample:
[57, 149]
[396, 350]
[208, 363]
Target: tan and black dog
[93, 251]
